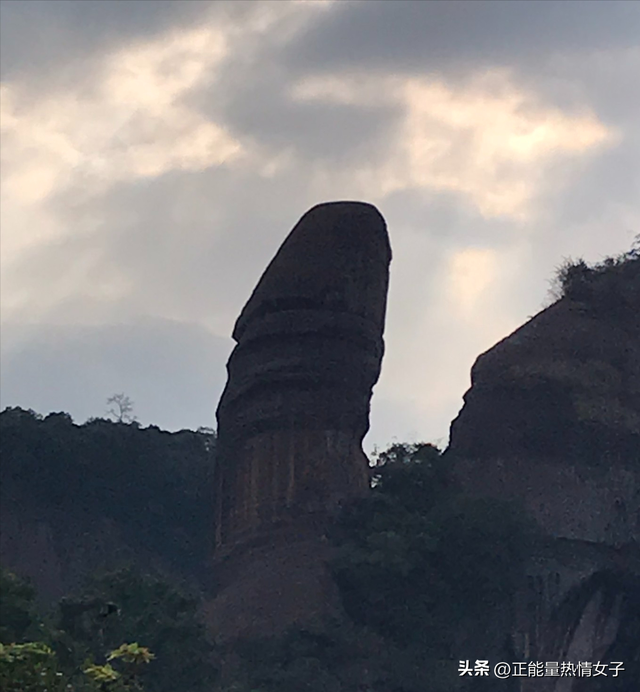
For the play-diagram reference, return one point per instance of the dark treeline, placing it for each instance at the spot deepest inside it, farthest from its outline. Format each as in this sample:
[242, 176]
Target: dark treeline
[417, 564]
[154, 485]
[427, 574]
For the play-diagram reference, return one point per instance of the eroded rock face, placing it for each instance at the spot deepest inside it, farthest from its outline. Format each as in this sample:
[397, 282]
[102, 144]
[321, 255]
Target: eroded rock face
[552, 423]
[566, 384]
[294, 412]
[309, 348]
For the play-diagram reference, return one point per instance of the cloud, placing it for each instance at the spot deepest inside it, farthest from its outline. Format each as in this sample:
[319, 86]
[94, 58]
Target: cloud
[446, 305]
[77, 145]
[131, 126]
[155, 155]
[52, 42]
[455, 36]
[70, 144]
[488, 140]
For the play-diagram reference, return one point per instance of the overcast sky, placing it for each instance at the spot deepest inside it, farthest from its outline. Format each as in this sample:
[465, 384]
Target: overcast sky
[156, 154]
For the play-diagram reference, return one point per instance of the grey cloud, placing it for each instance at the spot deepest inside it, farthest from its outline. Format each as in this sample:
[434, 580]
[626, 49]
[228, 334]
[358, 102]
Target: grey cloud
[613, 181]
[41, 37]
[569, 54]
[186, 244]
[313, 130]
[606, 82]
[447, 217]
[193, 245]
[431, 36]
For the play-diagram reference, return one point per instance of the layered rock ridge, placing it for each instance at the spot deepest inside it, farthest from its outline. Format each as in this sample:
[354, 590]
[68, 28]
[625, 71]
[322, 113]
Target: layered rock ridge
[294, 412]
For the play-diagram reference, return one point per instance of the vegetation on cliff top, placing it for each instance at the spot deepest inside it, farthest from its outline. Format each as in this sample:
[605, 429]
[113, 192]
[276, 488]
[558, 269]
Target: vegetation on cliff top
[154, 486]
[610, 287]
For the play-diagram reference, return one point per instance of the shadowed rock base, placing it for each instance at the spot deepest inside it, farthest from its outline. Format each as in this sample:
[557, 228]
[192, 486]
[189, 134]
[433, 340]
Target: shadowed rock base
[270, 586]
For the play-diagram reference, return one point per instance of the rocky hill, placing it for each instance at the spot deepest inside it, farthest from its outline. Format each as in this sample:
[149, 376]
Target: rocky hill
[552, 423]
[567, 383]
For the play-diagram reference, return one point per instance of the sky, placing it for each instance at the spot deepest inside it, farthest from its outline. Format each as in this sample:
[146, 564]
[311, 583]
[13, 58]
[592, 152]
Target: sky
[155, 154]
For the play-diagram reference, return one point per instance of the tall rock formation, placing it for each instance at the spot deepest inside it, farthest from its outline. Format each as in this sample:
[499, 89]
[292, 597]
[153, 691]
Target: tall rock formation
[293, 415]
[552, 423]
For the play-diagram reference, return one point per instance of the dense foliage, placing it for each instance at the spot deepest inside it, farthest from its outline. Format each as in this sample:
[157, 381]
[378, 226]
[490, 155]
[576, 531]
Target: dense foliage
[426, 576]
[79, 647]
[34, 667]
[154, 485]
[35, 654]
[419, 560]
[418, 566]
[129, 606]
[609, 288]
[19, 618]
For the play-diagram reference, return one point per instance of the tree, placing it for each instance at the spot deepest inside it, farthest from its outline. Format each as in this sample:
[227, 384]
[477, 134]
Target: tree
[423, 565]
[34, 667]
[610, 285]
[31, 666]
[130, 659]
[155, 486]
[127, 605]
[425, 573]
[121, 408]
[18, 610]
[30, 648]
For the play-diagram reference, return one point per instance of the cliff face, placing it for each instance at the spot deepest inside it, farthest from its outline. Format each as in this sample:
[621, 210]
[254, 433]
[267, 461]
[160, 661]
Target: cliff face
[552, 423]
[294, 412]
[57, 553]
[566, 384]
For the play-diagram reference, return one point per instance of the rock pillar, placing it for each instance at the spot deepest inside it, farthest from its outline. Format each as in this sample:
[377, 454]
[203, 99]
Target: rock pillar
[293, 415]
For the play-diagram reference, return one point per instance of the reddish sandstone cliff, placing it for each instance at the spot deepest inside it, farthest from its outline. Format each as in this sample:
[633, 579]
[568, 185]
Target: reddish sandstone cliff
[293, 415]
